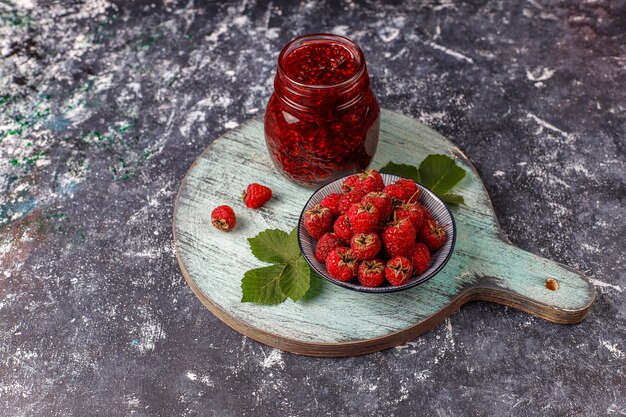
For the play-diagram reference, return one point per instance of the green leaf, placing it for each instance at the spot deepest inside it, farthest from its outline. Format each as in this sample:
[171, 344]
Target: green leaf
[295, 279]
[452, 198]
[262, 285]
[275, 246]
[440, 173]
[402, 170]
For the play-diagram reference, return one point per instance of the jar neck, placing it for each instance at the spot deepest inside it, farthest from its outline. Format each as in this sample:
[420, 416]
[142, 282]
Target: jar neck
[311, 98]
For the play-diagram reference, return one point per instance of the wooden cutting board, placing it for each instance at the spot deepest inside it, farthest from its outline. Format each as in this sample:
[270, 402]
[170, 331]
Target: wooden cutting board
[334, 321]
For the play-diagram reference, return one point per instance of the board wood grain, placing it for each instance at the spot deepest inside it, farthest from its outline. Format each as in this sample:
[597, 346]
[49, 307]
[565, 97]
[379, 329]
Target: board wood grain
[334, 321]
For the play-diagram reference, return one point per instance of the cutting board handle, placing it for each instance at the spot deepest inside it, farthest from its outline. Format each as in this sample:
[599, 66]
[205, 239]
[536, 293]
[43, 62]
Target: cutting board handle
[536, 285]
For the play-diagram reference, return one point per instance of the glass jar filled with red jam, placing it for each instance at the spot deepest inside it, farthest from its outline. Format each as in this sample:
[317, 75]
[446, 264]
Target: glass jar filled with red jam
[322, 121]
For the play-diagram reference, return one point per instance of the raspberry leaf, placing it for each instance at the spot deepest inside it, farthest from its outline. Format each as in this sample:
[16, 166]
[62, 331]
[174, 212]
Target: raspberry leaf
[262, 285]
[440, 173]
[452, 198]
[295, 279]
[275, 246]
[402, 170]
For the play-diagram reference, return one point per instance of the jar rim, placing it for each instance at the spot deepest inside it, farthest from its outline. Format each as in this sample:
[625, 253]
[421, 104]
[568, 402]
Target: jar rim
[352, 46]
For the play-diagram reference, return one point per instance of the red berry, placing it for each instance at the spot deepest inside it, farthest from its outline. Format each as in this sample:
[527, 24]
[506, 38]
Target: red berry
[433, 235]
[349, 184]
[363, 217]
[317, 221]
[341, 264]
[411, 189]
[369, 181]
[349, 199]
[326, 245]
[365, 245]
[342, 228]
[383, 204]
[331, 202]
[371, 273]
[412, 212]
[397, 193]
[398, 270]
[399, 238]
[256, 195]
[420, 258]
[223, 218]
[425, 212]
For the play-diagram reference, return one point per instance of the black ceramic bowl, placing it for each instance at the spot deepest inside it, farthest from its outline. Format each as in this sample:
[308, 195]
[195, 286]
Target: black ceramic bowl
[437, 208]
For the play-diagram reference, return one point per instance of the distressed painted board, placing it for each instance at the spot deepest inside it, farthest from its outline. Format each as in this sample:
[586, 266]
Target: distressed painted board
[334, 321]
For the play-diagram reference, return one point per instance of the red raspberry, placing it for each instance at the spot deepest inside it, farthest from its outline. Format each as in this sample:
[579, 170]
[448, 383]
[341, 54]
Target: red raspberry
[363, 217]
[331, 202]
[399, 238]
[349, 184]
[365, 245]
[317, 221]
[398, 270]
[397, 193]
[349, 199]
[412, 212]
[326, 245]
[371, 273]
[433, 235]
[342, 228]
[223, 218]
[341, 264]
[256, 195]
[411, 187]
[420, 258]
[425, 212]
[383, 204]
[370, 181]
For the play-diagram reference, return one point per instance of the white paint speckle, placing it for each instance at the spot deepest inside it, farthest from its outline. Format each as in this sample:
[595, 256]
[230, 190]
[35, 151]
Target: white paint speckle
[540, 74]
[231, 124]
[498, 174]
[275, 358]
[599, 283]
[612, 347]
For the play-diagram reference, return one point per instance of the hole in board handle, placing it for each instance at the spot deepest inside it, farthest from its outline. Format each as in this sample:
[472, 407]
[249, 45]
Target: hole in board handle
[551, 284]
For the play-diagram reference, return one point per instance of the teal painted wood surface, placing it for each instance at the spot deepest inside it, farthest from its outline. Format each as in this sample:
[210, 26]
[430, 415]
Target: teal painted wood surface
[333, 321]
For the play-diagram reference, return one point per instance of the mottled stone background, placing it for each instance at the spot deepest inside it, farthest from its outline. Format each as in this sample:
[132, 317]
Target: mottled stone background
[103, 107]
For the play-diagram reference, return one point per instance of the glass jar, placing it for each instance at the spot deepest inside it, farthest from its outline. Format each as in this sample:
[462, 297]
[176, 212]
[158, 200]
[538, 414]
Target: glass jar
[322, 121]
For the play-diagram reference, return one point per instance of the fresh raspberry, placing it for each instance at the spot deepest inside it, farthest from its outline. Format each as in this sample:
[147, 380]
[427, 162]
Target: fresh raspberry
[341, 264]
[327, 243]
[397, 193]
[342, 228]
[223, 218]
[256, 195]
[411, 187]
[398, 270]
[331, 202]
[371, 273]
[412, 212]
[383, 204]
[425, 212]
[399, 238]
[420, 258]
[317, 221]
[363, 217]
[433, 235]
[349, 184]
[365, 245]
[370, 181]
[349, 199]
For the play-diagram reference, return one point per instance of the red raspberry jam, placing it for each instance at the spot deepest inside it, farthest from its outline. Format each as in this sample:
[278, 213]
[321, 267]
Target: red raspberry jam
[322, 121]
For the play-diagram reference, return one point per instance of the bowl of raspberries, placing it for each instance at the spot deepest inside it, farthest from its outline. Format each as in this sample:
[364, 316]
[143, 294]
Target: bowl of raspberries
[376, 232]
